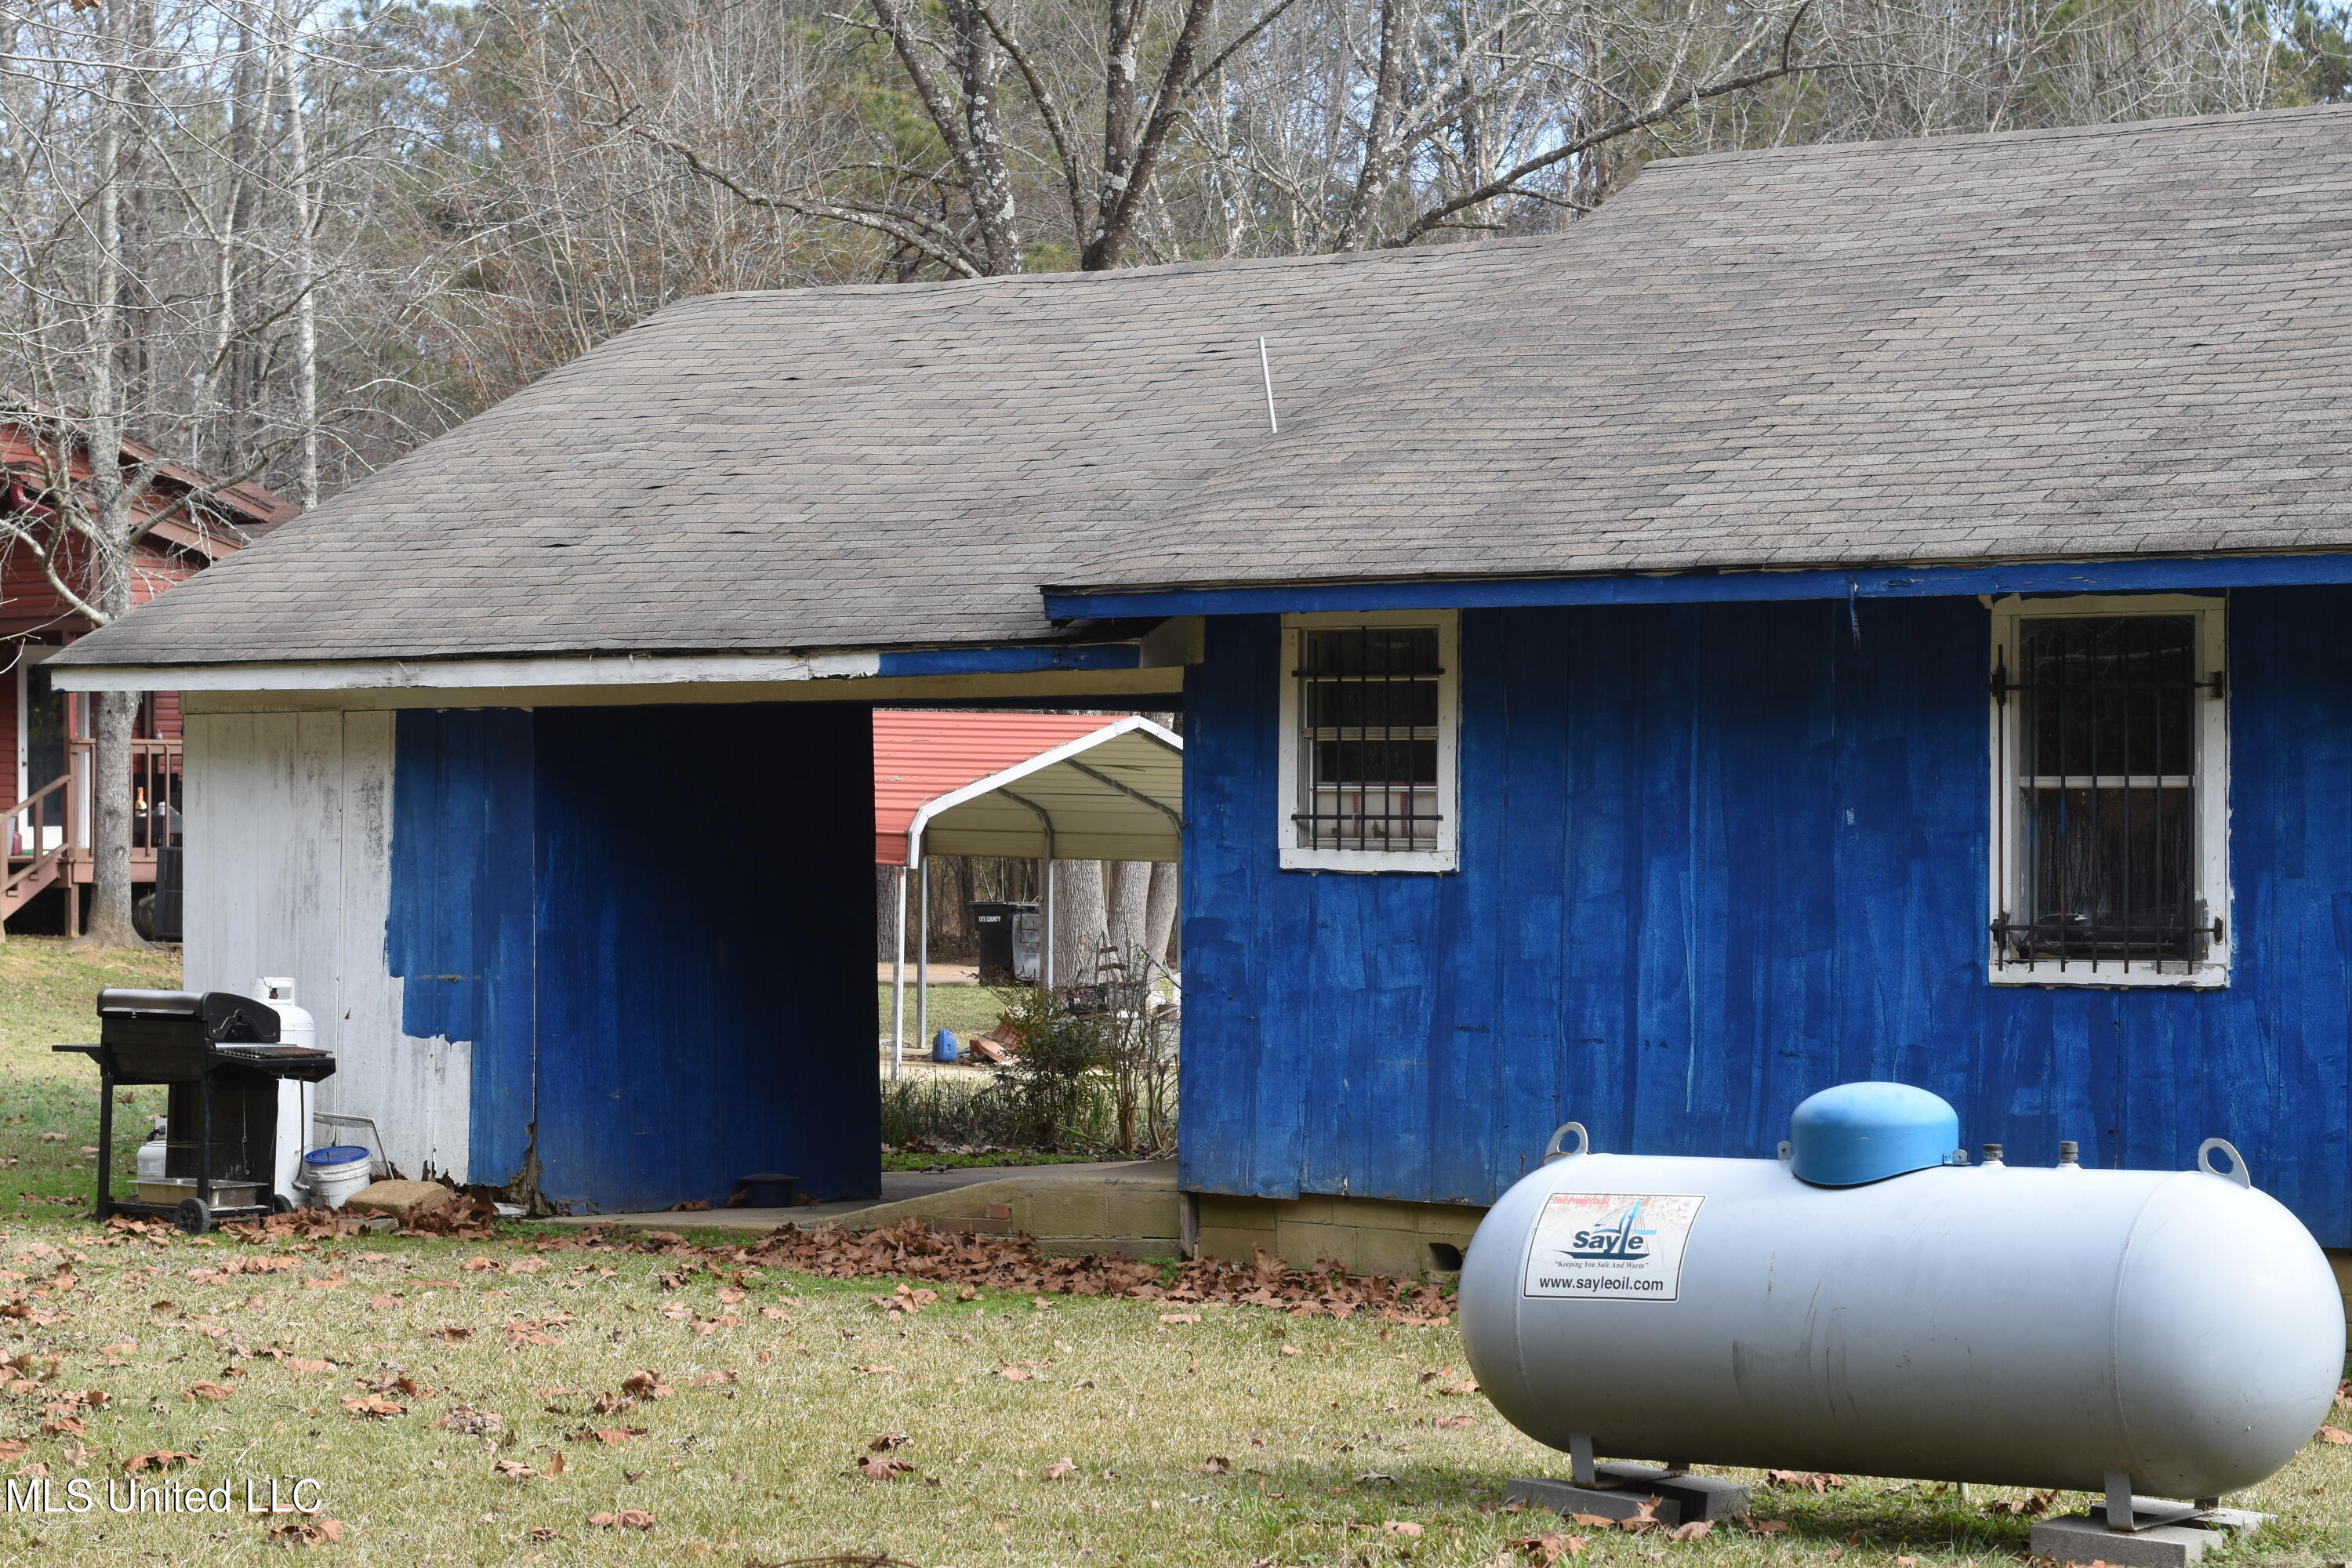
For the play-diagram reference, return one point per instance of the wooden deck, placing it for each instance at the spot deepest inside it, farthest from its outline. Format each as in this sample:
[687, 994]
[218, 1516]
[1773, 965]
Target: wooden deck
[47, 834]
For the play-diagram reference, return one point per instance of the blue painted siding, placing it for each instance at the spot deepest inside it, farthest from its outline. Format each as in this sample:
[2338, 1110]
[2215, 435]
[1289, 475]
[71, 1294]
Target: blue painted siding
[651, 927]
[1715, 857]
[460, 933]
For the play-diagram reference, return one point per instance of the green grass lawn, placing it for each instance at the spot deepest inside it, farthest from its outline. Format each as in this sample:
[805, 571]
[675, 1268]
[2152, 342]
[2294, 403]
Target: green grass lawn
[969, 1010]
[1059, 1433]
[1072, 1432]
[48, 1103]
[904, 1159]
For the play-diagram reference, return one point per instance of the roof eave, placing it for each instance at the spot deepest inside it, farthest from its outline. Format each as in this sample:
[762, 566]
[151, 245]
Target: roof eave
[2089, 575]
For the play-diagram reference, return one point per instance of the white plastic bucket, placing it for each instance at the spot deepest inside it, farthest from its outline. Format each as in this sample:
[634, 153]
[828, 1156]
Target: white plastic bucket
[333, 1184]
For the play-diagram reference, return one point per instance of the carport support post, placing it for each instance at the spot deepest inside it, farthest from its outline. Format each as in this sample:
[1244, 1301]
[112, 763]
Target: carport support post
[1046, 924]
[898, 971]
[922, 956]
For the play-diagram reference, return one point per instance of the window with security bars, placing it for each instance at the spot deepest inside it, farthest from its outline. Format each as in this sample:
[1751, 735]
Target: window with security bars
[2110, 737]
[1369, 713]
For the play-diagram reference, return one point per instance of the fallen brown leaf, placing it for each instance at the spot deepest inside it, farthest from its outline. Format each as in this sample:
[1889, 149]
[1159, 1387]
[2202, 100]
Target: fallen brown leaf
[308, 1532]
[1696, 1530]
[627, 1519]
[1057, 1469]
[1404, 1527]
[204, 1391]
[472, 1422]
[1217, 1465]
[372, 1407]
[884, 1469]
[2334, 1435]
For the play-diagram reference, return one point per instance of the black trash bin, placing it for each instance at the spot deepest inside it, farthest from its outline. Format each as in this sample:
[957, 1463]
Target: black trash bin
[166, 918]
[1008, 942]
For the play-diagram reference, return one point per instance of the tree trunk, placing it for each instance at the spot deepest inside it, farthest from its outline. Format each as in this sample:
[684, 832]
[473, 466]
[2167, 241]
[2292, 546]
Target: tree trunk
[111, 504]
[1165, 899]
[109, 792]
[1077, 919]
[306, 312]
[1127, 900]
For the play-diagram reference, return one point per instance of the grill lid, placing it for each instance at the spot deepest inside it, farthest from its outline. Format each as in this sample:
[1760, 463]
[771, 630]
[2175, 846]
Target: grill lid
[223, 1015]
[118, 1003]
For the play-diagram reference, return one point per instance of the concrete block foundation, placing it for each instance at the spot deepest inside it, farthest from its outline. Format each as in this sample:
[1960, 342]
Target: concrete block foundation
[1683, 1498]
[2079, 1538]
[1364, 1235]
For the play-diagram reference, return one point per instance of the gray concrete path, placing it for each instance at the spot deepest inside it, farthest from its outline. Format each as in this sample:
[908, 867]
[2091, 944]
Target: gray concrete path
[898, 1186]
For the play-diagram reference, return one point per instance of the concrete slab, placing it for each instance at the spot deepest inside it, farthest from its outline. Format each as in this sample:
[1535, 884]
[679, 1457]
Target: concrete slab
[1565, 1500]
[899, 1189]
[1625, 1487]
[2079, 1538]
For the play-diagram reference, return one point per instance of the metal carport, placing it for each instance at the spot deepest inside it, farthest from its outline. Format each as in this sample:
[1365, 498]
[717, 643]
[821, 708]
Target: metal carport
[1046, 787]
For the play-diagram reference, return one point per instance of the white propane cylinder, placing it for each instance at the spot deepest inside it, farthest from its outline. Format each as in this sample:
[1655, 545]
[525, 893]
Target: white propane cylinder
[151, 1153]
[295, 1025]
[295, 1099]
[1996, 1323]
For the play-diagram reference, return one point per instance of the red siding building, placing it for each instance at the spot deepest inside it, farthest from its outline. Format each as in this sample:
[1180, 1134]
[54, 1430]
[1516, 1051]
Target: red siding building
[44, 734]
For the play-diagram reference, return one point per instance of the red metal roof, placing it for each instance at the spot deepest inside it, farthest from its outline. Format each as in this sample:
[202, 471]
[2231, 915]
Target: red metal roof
[919, 757]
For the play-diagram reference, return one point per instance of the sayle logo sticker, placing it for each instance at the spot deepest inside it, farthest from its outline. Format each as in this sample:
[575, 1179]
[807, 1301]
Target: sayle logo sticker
[1620, 1247]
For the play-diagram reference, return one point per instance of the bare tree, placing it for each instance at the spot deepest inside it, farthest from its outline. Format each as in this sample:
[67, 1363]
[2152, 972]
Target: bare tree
[157, 232]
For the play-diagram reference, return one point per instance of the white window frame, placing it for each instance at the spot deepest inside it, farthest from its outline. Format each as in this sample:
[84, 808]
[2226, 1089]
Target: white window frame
[2004, 835]
[1446, 856]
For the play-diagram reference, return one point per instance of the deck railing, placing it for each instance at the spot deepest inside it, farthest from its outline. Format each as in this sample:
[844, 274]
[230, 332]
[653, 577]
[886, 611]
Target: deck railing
[48, 833]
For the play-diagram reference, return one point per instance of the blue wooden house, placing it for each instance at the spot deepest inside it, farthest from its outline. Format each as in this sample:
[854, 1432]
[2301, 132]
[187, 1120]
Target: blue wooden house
[1852, 612]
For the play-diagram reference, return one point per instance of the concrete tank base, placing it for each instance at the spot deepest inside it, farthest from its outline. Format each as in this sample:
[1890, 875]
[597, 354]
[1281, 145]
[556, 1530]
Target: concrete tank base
[1682, 1498]
[2085, 1538]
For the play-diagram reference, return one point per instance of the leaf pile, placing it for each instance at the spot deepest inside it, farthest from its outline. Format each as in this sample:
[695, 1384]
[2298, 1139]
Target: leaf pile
[911, 1249]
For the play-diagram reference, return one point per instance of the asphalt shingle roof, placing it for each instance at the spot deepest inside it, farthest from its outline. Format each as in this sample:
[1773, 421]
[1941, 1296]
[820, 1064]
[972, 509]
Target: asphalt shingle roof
[2120, 340]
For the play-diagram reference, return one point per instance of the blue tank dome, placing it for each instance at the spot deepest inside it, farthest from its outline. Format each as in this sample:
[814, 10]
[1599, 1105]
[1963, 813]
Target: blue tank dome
[1860, 1132]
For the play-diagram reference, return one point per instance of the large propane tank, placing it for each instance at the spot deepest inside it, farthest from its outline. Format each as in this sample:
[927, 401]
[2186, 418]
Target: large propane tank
[1903, 1313]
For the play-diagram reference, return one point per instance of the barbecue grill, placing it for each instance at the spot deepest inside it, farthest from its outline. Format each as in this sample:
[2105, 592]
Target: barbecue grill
[220, 1056]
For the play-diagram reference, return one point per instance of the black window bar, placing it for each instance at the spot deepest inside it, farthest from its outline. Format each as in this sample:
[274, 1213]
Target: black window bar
[1368, 713]
[2099, 767]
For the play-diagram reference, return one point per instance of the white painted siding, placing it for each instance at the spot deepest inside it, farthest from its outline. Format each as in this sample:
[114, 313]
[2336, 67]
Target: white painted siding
[289, 863]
